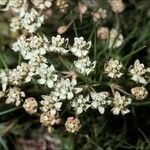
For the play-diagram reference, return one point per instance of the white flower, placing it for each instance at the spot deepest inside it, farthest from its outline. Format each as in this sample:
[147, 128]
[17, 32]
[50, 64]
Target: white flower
[19, 75]
[31, 21]
[4, 79]
[80, 47]
[120, 104]
[138, 72]
[112, 68]
[65, 89]
[15, 3]
[139, 92]
[80, 104]
[15, 95]
[115, 39]
[15, 24]
[62, 5]
[47, 75]
[33, 49]
[100, 14]
[84, 65]
[22, 46]
[58, 45]
[42, 4]
[51, 103]
[99, 101]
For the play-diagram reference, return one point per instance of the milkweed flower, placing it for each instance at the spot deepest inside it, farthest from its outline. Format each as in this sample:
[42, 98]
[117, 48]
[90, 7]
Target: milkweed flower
[120, 104]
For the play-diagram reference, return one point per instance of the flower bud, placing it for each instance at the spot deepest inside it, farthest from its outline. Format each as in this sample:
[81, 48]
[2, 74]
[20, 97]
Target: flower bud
[72, 124]
[139, 93]
[62, 29]
[117, 6]
[30, 105]
[103, 33]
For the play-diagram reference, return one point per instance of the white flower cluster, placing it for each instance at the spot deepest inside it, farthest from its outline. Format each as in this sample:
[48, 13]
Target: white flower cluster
[139, 73]
[70, 89]
[120, 104]
[80, 49]
[42, 4]
[14, 95]
[113, 68]
[28, 20]
[101, 101]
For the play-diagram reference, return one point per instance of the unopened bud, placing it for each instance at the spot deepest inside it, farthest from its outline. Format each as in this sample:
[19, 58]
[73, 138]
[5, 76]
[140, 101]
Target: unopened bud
[62, 29]
[103, 33]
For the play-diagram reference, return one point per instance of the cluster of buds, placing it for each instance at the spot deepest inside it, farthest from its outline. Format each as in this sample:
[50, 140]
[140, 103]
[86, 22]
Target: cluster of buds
[72, 124]
[117, 6]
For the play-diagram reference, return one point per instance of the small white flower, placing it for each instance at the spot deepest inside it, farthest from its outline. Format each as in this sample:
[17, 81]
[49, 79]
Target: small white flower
[100, 101]
[84, 65]
[80, 104]
[65, 89]
[15, 24]
[42, 4]
[138, 72]
[120, 104]
[112, 68]
[31, 21]
[47, 75]
[139, 92]
[18, 75]
[100, 14]
[50, 103]
[58, 45]
[80, 47]
[15, 95]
